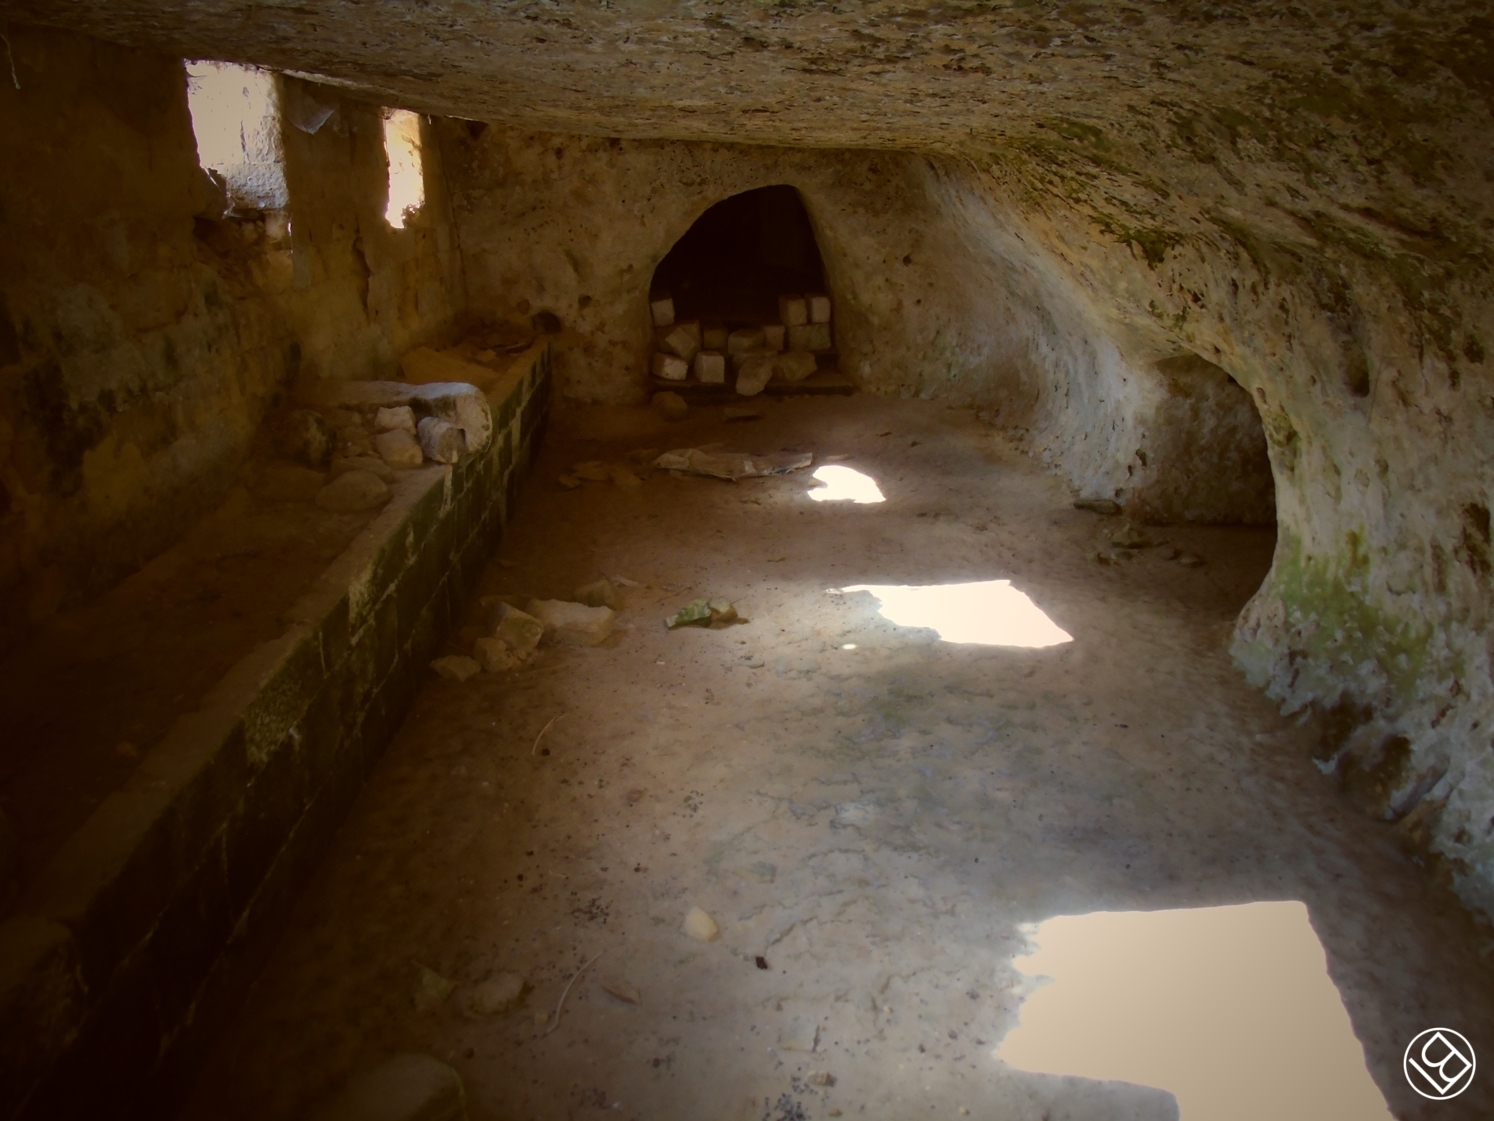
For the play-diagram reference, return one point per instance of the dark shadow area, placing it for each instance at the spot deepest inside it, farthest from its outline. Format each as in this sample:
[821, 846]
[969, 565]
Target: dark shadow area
[740, 256]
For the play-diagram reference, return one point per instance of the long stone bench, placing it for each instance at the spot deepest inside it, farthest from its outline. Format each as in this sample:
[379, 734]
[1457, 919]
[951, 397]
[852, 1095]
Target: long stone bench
[134, 945]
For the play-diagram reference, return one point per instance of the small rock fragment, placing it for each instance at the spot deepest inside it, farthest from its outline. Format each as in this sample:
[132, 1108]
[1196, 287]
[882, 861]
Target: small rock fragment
[592, 470]
[799, 1034]
[796, 365]
[573, 624]
[307, 438]
[567, 482]
[670, 406]
[518, 629]
[696, 613]
[399, 448]
[599, 593]
[624, 991]
[1190, 560]
[406, 1088]
[820, 1078]
[1129, 537]
[700, 926]
[503, 992]
[456, 667]
[495, 655]
[398, 417]
[353, 491]
[1104, 506]
[440, 440]
[623, 477]
[431, 989]
[754, 376]
[670, 367]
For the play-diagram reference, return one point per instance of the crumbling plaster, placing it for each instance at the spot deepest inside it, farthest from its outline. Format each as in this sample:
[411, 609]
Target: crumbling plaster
[1300, 195]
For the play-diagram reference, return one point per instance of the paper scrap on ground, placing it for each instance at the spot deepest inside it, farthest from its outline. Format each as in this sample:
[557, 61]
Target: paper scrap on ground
[732, 465]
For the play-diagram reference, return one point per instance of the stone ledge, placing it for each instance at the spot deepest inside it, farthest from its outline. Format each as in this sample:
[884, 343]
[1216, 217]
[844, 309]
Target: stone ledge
[138, 939]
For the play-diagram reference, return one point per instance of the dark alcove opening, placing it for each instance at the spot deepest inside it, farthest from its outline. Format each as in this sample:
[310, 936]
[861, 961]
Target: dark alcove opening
[740, 256]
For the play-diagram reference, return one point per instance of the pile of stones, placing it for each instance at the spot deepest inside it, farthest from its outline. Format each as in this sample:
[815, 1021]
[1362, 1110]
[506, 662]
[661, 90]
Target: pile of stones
[752, 356]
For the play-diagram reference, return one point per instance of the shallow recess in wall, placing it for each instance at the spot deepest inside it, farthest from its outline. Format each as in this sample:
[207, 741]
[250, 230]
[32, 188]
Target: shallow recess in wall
[236, 119]
[406, 173]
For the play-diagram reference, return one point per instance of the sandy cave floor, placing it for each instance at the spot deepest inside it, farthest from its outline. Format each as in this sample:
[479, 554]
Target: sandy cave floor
[881, 825]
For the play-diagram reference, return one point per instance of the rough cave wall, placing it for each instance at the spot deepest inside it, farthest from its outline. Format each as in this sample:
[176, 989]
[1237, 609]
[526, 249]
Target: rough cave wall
[133, 365]
[576, 226]
[1358, 324]
[362, 293]
[936, 294]
[140, 345]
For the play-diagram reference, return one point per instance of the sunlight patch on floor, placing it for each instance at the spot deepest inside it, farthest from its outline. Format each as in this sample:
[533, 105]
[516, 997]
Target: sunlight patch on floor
[846, 484]
[985, 612]
[1230, 1009]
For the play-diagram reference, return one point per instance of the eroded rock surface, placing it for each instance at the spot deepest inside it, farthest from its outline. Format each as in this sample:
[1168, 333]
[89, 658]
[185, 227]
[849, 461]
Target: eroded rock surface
[1030, 208]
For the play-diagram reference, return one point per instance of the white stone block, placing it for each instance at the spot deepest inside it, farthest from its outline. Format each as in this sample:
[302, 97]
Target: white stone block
[400, 416]
[747, 339]
[662, 309]
[710, 368]
[773, 336]
[793, 310]
[399, 448]
[681, 342]
[755, 374]
[572, 624]
[670, 367]
[440, 440]
[796, 365]
[819, 307]
[810, 336]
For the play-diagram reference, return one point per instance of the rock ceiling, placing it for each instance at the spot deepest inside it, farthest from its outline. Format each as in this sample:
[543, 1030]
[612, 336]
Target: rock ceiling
[879, 74]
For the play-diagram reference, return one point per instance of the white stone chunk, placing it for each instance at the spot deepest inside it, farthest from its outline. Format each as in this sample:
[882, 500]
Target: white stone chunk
[572, 624]
[755, 375]
[399, 448]
[747, 339]
[670, 367]
[681, 342]
[810, 336]
[406, 1088]
[662, 309]
[440, 440]
[796, 365]
[773, 336]
[793, 310]
[700, 926]
[819, 307]
[397, 417]
[710, 368]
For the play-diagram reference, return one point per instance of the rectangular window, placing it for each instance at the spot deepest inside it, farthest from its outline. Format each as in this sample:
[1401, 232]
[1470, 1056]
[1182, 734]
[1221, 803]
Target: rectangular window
[406, 175]
[236, 118]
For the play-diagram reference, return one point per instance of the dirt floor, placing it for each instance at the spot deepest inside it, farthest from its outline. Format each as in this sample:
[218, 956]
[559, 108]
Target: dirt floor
[877, 819]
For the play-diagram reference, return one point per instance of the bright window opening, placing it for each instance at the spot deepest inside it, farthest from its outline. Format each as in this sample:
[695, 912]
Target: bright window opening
[845, 484]
[406, 175]
[236, 119]
[1230, 1009]
[986, 613]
